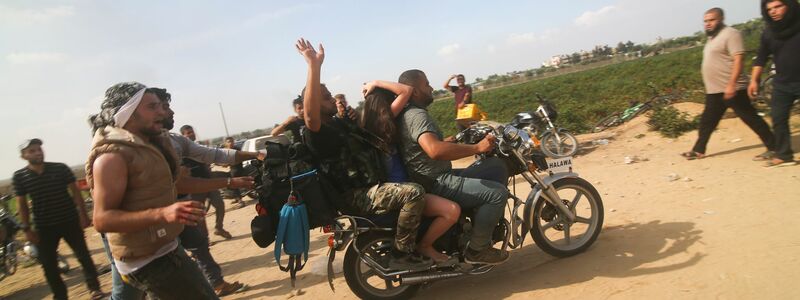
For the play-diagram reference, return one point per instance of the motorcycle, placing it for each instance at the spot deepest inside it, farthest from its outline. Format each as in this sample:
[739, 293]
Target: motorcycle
[555, 142]
[8, 245]
[563, 214]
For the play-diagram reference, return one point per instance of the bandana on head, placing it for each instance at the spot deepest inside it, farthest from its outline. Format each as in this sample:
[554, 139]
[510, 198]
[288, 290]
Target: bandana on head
[120, 103]
[126, 111]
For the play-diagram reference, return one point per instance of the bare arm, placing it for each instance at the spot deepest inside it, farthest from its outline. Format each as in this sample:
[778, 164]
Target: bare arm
[282, 127]
[755, 77]
[246, 155]
[110, 182]
[402, 91]
[192, 185]
[446, 85]
[24, 211]
[440, 150]
[313, 95]
[77, 198]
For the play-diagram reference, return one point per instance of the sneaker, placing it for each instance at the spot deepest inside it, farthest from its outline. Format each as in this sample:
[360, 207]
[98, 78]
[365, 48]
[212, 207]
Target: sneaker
[226, 288]
[408, 261]
[223, 233]
[489, 256]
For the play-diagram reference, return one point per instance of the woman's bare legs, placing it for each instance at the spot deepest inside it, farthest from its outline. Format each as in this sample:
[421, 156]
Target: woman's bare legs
[446, 213]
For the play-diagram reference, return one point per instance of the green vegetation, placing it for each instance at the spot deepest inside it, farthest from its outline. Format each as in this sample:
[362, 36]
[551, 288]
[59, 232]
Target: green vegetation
[671, 122]
[583, 98]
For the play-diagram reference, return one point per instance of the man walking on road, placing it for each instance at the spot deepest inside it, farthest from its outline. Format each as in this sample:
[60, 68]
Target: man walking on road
[726, 84]
[57, 215]
[781, 41]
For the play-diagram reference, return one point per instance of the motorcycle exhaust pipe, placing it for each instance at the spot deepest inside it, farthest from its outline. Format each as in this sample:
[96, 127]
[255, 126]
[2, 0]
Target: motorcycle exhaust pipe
[417, 279]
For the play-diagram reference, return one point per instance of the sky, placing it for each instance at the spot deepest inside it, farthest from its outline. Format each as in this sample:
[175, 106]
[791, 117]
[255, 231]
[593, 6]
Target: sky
[57, 58]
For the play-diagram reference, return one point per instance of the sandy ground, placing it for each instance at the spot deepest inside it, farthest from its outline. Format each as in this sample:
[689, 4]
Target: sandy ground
[728, 229]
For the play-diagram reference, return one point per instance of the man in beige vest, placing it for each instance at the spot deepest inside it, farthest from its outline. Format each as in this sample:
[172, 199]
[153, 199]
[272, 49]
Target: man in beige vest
[726, 86]
[132, 169]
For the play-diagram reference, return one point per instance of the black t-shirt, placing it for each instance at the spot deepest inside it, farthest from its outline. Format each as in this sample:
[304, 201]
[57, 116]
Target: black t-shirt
[197, 169]
[295, 127]
[52, 204]
[784, 53]
[345, 154]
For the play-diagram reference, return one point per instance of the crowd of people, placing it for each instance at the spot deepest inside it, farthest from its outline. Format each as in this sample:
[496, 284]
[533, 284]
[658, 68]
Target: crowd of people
[151, 210]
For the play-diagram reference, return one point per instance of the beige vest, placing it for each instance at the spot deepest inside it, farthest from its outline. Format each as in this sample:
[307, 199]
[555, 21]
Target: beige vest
[151, 184]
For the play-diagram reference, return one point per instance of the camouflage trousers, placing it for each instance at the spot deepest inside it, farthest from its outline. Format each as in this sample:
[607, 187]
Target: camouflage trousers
[387, 197]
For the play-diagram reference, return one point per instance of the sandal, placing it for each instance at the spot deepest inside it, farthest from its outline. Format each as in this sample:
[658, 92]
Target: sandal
[225, 288]
[97, 295]
[764, 156]
[223, 233]
[691, 155]
[776, 162]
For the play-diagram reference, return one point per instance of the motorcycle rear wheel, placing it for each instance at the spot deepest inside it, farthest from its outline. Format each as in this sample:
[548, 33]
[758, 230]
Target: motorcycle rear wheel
[546, 219]
[363, 280]
[562, 146]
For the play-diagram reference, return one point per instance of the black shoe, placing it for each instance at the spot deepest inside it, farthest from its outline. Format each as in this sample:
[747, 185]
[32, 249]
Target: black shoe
[489, 256]
[408, 261]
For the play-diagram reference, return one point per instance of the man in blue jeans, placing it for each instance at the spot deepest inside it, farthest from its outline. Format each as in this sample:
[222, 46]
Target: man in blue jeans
[481, 187]
[781, 40]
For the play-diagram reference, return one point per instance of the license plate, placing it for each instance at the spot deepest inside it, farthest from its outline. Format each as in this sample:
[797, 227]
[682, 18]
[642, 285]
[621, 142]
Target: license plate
[559, 165]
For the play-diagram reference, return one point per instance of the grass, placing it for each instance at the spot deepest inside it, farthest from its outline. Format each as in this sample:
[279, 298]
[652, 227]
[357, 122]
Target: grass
[583, 98]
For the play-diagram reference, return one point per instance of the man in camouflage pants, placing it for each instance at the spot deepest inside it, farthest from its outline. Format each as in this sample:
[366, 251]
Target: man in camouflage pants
[387, 197]
[327, 123]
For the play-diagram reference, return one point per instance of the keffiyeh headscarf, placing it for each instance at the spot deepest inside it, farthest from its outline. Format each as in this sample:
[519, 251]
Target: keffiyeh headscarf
[118, 106]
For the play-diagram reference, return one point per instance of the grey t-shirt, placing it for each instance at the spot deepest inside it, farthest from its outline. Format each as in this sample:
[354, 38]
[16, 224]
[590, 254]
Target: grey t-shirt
[415, 121]
[718, 57]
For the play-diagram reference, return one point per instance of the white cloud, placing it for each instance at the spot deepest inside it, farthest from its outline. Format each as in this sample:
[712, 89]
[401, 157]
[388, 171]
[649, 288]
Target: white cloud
[590, 18]
[28, 16]
[449, 49]
[491, 49]
[35, 57]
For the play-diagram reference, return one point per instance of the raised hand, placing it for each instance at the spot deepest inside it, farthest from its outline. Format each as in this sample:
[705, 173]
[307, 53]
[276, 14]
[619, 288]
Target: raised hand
[242, 182]
[368, 87]
[309, 53]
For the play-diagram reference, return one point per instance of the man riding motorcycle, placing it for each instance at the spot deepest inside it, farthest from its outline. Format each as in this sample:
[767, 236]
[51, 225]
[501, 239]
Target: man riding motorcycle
[480, 187]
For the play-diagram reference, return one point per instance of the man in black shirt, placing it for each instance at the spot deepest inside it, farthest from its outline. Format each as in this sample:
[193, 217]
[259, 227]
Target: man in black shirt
[293, 123]
[55, 216]
[781, 40]
[328, 129]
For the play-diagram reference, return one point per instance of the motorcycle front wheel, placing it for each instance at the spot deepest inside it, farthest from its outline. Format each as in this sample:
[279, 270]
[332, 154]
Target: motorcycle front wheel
[559, 145]
[556, 235]
[365, 282]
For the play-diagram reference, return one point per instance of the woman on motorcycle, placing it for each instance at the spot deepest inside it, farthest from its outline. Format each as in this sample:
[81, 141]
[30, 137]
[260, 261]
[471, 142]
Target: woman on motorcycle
[383, 102]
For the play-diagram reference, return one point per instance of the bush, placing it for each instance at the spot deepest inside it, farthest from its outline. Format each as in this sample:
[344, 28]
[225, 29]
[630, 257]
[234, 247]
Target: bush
[670, 122]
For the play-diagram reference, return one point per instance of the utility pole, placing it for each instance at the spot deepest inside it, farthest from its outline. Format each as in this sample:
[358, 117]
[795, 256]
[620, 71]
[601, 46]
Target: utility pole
[223, 120]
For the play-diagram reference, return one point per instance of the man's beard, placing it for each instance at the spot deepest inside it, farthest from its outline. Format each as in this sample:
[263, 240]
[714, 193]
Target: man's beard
[713, 32]
[36, 161]
[151, 132]
[425, 102]
[168, 123]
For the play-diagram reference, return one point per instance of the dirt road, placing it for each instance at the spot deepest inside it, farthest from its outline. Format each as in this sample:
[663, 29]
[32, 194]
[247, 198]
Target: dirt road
[727, 228]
